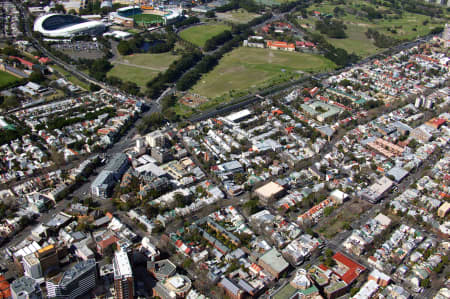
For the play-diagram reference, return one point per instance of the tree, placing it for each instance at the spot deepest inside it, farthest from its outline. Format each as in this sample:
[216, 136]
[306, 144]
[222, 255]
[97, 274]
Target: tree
[58, 8]
[425, 283]
[210, 14]
[124, 48]
[327, 211]
[353, 291]
[37, 77]
[329, 262]
[10, 102]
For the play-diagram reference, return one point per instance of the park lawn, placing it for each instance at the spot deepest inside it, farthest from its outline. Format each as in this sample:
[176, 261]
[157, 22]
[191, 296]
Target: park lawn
[159, 61]
[137, 75]
[6, 79]
[141, 68]
[356, 42]
[246, 69]
[240, 16]
[198, 35]
[408, 27]
[345, 215]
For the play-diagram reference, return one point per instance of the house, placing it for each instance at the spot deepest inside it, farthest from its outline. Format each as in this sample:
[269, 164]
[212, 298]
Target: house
[283, 46]
[379, 277]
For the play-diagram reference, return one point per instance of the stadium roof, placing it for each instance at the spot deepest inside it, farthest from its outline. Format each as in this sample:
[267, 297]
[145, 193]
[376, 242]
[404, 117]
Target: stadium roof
[60, 25]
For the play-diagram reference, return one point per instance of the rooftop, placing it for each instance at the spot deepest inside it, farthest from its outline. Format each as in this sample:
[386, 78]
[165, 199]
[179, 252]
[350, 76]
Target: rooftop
[269, 189]
[122, 267]
[23, 284]
[275, 260]
[76, 271]
[162, 267]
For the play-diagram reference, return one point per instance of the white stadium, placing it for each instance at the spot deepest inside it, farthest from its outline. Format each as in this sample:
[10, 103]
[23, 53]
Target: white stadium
[59, 25]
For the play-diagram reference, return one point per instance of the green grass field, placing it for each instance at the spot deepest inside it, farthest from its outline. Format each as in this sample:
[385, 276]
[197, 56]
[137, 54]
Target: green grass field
[130, 73]
[246, 69]
[156, 61]
[239, 16]
[357, 41]
[148, 19]
[408, 26]
[6, 78]
[198, 35]
[141, 68]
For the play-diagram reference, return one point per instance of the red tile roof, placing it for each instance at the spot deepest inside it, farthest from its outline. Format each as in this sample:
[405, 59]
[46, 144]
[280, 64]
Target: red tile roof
[279, 44]
[354, 269]
[22, 61]
[5, 291]
[108, 242]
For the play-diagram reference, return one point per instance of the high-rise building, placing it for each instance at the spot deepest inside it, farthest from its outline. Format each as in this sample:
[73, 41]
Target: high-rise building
[32, 266]
[25, 288]
[446, 34]
[123, 276]
[155, 139]
[48, 259]
[75, 282]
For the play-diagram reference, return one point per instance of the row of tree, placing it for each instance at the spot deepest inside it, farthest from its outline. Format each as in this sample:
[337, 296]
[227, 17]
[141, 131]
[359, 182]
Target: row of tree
[332, 28]
[127, 86]
[157, 85]
[338, 55]
[381, 40]
[215, 41]
[248, 5]
[187, 22]
[208, 62]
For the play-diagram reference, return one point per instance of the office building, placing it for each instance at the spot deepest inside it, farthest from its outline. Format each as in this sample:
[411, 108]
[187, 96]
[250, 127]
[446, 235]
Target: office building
[123, 276]
[118, 165]
[32, 266]
[103, 183]
[75, 282]
[48, 259]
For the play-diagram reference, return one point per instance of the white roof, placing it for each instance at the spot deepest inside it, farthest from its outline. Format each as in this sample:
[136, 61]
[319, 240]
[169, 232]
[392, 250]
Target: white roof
[153, 168]
[31, 248]
[65, 31]
[122, 267]
[383, 220]
[238, 115]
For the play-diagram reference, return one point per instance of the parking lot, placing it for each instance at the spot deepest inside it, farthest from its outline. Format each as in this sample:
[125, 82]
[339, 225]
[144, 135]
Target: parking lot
[81, 49]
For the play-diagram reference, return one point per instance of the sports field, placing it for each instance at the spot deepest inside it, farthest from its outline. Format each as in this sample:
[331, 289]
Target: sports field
[148, 19]
[141, 68]
[239, 16]
[406, 26]
[246, 69]
[198, 35]
[6, 78]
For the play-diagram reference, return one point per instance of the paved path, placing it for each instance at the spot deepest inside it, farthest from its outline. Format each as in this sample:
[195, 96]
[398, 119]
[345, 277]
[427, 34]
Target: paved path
[161, 69]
